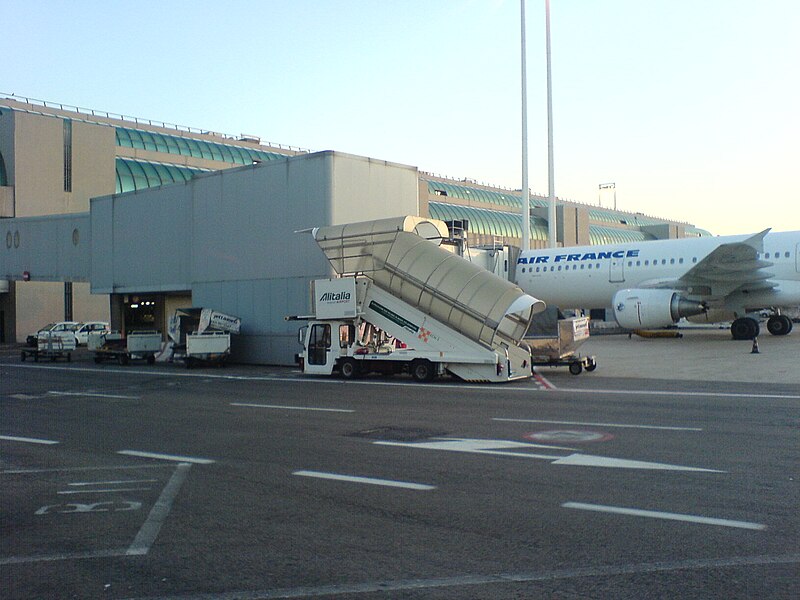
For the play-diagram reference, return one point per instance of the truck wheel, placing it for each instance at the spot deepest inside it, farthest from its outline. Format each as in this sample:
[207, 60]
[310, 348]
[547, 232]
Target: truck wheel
[591, 366]
[151, 359]
[122, 359]
[349, 368]
[422, 370]
[575, 368]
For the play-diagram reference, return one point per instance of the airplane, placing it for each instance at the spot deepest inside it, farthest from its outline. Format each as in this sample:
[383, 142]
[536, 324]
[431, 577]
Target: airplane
[654, 284]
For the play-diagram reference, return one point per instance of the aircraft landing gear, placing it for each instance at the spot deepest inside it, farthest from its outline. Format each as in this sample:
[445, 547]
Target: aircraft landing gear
[779, 325]
[745, 328]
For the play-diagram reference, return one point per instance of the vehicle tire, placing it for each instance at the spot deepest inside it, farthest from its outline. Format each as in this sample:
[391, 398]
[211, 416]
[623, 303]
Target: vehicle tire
[349, 368]
[591, 366]
[98, 359]
[24, 356]
[575, 368]
[151, 359]
[122, 359]
[422, 370]
[779, 325]
[745, 328]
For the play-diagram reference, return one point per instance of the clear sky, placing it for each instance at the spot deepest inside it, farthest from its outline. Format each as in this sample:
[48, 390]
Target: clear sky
[689, 106]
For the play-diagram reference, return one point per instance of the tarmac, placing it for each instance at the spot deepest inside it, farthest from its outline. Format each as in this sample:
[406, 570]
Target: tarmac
[699, 355]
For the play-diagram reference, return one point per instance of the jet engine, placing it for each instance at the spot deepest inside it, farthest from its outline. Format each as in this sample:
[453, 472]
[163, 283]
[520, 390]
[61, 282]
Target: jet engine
[643, 309]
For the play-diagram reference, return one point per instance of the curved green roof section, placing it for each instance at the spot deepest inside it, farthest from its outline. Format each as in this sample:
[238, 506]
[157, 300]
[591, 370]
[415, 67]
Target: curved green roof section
[488, 222]
[133, 174]
[510, 199]
[611, 235]
[187, 146]
[3, 175]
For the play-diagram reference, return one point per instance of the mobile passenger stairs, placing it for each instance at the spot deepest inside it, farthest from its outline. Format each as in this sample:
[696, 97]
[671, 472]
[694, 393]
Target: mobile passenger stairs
[401, 303]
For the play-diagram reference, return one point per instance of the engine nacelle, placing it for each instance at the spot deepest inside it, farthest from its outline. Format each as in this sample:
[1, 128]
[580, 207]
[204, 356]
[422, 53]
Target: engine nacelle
[644, 309]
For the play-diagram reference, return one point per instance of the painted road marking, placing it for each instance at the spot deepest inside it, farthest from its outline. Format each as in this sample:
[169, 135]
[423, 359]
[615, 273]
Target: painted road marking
[118, 482]
[576, 460]
[185, 459]
[337, 410]
[366, 480]
[70, 469]
[471, 580]
[106, 491]
[652, 514]
[658, 427]
[158, 514]
[94, 395]
[474, 387]
[26, 440]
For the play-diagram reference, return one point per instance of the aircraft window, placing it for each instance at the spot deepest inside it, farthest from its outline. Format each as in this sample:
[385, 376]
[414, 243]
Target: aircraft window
[552, 269]
[638, 263]
[694, 259]
[672, 261]
[523, 269]
[680, 260]
[646, 263]
[582, 267]
[786, 255]
[590, 265]
[630, 263]
[597, 266]
[663, 261]
[766, 255]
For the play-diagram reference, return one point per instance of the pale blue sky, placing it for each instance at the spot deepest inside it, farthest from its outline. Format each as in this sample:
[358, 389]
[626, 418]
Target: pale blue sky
[689, 106]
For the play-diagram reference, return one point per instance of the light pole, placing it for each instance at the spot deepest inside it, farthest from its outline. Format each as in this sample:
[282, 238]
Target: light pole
[526, 201]
[551, 199]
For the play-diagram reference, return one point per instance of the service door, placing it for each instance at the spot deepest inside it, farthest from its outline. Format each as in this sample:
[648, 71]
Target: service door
[797, 258]
[319, 355]
[616, 273]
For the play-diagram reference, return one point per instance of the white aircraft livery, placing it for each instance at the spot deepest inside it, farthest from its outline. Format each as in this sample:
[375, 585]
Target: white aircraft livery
[655, 283]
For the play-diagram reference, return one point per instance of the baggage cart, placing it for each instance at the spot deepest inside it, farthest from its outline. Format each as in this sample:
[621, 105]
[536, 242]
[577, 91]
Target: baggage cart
[51, 345]
[137, 345]
[560, 351]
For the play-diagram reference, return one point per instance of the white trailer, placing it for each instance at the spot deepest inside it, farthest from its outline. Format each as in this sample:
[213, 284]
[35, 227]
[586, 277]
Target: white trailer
[113, 345]
[202, 335]
[409, 306]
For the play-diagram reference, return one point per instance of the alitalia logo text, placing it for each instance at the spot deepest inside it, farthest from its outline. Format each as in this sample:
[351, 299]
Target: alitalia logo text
[335, 297]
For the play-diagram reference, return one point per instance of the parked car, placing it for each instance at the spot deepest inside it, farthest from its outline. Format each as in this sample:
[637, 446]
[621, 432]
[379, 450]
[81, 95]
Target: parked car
[53, 327]
[82, 334]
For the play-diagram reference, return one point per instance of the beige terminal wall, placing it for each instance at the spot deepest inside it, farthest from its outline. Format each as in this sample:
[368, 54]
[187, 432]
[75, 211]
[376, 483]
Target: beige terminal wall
[33, 150]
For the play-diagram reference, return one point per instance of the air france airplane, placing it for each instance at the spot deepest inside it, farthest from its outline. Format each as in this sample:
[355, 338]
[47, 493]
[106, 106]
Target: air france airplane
[654, 284]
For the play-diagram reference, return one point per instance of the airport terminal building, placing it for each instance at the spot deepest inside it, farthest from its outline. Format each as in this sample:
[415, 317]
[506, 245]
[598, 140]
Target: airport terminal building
[107, 217]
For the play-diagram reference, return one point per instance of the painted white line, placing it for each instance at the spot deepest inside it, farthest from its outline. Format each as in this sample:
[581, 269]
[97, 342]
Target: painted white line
[469, 580]
[366, 480]
[158, 514]
[475, 446]
[119, 482]
[19, 560]
[73, 469]
[94, 395]
[474, 387]
[275, 406]
[108, 491]
[185, 459]
[659, 427]
[26, 440]
[652, 514]
[679, 394]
